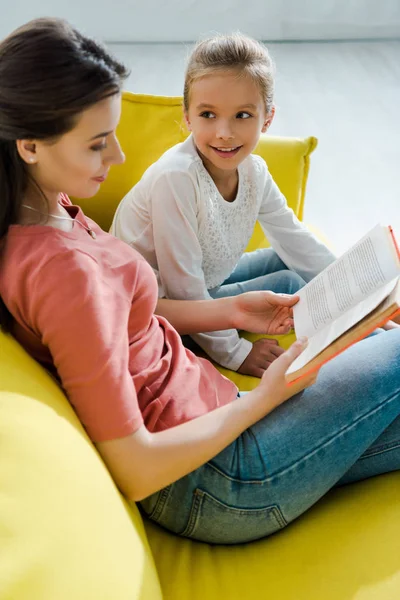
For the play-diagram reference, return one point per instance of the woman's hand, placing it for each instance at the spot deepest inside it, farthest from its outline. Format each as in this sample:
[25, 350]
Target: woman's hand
[273, 380]
[264, 312]
[391, 325]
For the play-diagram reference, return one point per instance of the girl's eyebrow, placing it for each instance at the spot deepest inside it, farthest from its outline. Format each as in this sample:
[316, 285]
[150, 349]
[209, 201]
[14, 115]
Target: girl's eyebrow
[242, 106]
[205, 105]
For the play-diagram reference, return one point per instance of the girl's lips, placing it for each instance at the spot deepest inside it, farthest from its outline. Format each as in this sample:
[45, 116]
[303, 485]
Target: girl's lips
[225, 154]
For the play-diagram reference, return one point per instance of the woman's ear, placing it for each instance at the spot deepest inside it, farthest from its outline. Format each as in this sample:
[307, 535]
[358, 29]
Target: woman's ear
[27, 151]
[268, 120]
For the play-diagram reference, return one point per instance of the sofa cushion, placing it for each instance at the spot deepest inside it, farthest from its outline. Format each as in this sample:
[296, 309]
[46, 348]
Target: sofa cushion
[151, 124]
[347, 547]
[65, 531]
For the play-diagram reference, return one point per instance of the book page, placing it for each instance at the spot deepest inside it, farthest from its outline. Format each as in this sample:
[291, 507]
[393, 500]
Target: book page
[366, 267]
[324, 337]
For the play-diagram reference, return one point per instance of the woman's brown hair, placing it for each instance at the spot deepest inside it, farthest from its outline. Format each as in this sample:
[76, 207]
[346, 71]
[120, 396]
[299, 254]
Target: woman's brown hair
[49, 74]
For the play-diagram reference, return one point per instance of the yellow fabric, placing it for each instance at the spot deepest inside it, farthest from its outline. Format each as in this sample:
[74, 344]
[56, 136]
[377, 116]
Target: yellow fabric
[151, 124]
[347, 547]
[65, 531]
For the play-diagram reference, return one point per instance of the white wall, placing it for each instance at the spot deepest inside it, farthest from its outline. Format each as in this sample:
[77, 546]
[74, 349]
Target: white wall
[186, 20]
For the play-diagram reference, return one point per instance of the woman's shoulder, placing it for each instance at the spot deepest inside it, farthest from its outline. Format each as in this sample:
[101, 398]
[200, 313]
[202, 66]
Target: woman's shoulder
[36, 249]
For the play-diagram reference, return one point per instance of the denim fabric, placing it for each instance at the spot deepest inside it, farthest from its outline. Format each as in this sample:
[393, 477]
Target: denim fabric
[259, 270]
[343, 429]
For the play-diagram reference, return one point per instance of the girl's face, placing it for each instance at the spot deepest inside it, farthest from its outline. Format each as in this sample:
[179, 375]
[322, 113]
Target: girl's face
[226, 117]
[78, 162]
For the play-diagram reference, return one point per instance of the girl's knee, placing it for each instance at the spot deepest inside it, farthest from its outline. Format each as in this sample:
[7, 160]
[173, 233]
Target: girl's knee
[292, 282]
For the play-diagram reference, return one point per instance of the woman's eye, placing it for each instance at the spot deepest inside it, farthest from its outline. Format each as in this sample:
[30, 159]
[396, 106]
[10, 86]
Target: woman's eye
[243, 115]
[99, 147]
[207, 114]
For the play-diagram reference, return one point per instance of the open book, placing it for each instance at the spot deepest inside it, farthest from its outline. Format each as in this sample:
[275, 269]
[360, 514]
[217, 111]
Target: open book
[357, 293]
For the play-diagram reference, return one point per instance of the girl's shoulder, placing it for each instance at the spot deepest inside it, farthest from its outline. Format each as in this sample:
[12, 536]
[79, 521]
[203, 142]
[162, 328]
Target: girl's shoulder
[257, 164]
[181, 158]
[256, 170]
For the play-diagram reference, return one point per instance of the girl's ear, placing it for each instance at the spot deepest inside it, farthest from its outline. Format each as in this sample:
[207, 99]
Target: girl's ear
[27, 151]
[186, 117]
[268, 120]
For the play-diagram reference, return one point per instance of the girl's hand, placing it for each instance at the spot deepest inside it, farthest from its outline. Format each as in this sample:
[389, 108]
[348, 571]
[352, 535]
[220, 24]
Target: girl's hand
[273, 381]
[262, 354]
[264, 312]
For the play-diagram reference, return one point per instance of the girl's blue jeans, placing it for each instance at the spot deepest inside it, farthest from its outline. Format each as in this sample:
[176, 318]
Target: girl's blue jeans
[344, 428]
[259, 270]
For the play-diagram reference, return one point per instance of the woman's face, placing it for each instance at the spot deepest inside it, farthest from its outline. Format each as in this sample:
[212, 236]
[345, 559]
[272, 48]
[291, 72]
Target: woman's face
[79, 161]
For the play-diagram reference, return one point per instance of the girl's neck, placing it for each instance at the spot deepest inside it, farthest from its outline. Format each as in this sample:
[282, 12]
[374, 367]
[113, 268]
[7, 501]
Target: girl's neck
[226, 182]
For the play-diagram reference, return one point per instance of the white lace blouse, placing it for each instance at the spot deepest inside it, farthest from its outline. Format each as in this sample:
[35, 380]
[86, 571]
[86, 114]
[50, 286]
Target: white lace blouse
[193, 238]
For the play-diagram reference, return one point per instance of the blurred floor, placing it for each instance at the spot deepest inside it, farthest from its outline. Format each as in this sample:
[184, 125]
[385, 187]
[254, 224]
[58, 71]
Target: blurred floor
[347, 94]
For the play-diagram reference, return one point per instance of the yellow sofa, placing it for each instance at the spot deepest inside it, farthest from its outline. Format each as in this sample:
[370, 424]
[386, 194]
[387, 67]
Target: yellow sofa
[67, 534]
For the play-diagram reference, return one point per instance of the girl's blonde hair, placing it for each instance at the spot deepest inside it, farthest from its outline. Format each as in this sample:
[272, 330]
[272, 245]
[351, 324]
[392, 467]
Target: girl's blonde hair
[238, 53]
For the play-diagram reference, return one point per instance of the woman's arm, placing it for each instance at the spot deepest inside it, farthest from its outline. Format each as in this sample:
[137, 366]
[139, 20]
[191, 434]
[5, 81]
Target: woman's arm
[144, 462]
[258, 312]
[195, 316]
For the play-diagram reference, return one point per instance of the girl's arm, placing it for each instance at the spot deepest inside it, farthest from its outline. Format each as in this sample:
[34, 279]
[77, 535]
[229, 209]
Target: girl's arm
[299, 249]
[144, 462]
[176, 213]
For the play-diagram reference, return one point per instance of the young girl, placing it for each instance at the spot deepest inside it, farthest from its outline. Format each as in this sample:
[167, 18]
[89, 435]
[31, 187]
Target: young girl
[193, 213]
[204, 462]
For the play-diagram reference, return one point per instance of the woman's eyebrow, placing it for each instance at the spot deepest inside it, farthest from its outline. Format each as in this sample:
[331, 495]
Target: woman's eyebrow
[100, 135]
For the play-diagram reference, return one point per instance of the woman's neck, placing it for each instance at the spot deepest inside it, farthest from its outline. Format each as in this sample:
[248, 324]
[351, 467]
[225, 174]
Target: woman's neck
[44, 201]
[40, 209]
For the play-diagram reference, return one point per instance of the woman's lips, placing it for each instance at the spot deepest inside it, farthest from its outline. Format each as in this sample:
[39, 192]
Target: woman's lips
[100, 179]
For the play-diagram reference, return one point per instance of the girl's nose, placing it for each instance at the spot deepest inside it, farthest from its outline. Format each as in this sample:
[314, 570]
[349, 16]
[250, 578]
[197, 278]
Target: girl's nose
[224, 131]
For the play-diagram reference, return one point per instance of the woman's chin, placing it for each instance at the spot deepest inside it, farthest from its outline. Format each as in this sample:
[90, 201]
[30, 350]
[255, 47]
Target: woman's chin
[86, 192]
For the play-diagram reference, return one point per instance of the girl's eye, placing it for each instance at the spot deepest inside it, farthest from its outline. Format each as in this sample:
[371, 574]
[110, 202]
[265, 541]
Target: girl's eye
[243, 115]
[207, 114]
[99, 147]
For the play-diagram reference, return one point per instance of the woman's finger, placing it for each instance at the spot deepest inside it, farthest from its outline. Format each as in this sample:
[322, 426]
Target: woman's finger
[282, 299]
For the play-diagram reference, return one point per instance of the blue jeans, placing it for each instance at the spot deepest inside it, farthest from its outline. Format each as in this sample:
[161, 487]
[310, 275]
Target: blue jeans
[343, 429]
[259, 270]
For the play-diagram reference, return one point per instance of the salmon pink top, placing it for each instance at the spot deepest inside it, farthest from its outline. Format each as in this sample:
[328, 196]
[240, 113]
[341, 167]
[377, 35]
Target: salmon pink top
[84, 308]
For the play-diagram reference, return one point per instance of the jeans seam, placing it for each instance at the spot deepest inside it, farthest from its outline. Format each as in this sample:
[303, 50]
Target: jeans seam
[380, 450]
[294, 465]
[160, 504]
[194, 512]
[198, 497]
